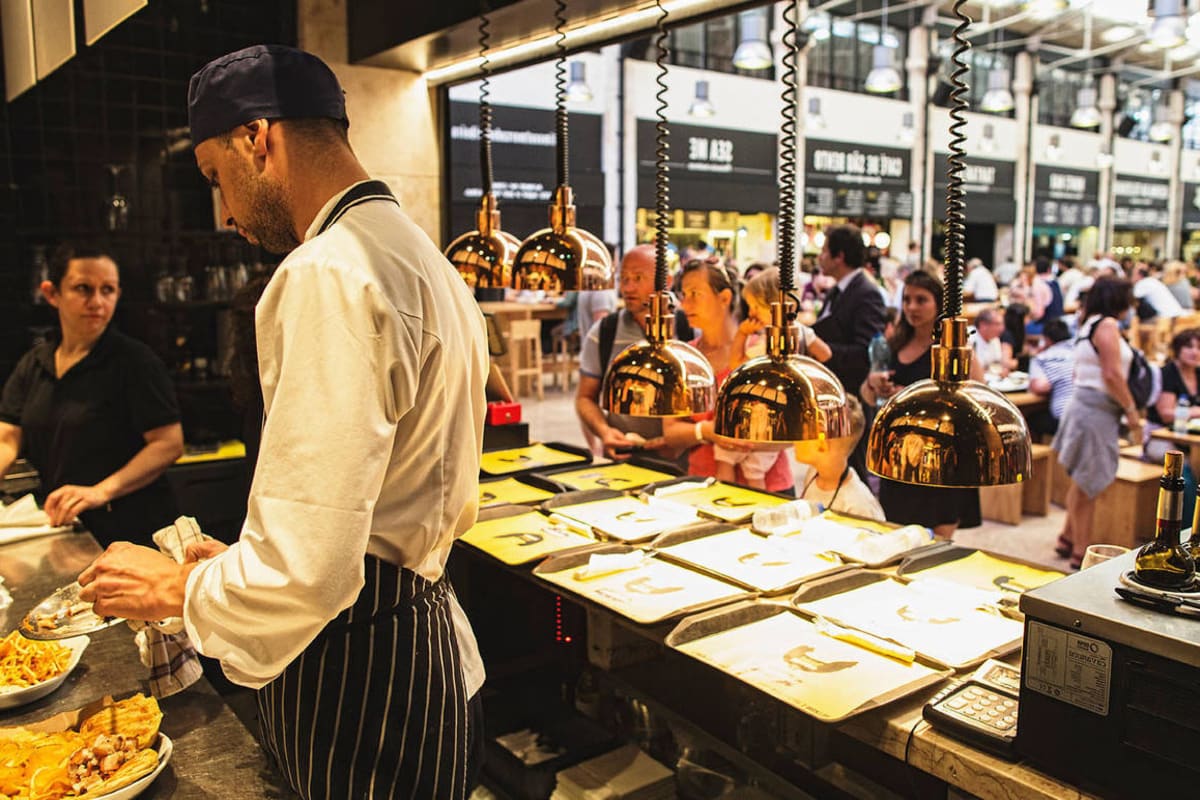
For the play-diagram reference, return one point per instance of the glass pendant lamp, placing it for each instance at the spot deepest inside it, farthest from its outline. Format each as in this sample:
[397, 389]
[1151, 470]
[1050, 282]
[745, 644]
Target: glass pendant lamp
[660, 377]
[783, 396]
[562, 257]
[484, 256]
[950, 430]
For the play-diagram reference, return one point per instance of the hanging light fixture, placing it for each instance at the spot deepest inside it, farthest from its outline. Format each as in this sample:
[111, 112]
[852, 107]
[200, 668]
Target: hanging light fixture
[998, 98]
[1044, 9]
[753, 52]
[1169, 28]
[701, 106]
[484, 256]
[1161, 129]
[562, 257]
[782, 396]
[659, 377]
[1086, 113]
[883, 78]
[950, 430]
[578, 90]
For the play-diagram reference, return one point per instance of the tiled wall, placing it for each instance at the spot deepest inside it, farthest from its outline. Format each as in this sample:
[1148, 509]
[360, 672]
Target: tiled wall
[121, 101]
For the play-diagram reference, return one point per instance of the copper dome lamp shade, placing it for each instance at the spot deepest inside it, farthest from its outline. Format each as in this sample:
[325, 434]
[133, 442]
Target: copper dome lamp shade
[950, 430]
[562, 257]
[660, 377]
[782, 396]
[484, 256]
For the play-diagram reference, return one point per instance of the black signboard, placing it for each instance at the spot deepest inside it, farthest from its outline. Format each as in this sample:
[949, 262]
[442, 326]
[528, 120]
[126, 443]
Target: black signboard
[989, 188]
[525, 169]
[1140, 204]
[711, 169]
[1191, 206]
[1068, 198]
[842, 179]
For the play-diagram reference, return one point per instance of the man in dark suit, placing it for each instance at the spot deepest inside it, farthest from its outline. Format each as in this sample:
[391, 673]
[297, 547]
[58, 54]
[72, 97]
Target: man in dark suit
[853, 310]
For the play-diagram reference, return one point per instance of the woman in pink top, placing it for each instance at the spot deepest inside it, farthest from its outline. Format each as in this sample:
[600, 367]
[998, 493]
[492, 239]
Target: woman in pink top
[709, 297]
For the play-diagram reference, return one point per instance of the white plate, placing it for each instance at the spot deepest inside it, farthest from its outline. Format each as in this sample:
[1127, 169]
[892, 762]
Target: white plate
[11, 697]
[137, 787]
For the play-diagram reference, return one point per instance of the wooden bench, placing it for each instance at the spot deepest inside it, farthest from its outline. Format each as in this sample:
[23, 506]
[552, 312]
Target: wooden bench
[1031, 496]
[1125, 511]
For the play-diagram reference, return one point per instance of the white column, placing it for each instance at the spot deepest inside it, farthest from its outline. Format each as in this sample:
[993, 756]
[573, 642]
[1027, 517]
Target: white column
[801, 123]
[1174, 167]
[1107, 103]
[918, 93]
[1024, 109]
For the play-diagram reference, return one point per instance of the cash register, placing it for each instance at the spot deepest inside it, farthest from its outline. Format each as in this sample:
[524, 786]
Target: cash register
[1110, 690]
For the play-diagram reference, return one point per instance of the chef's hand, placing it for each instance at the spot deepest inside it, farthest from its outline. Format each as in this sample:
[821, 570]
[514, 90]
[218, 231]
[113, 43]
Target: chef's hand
[68, 501]
[202, 550]
[135, 582]
[617, 445]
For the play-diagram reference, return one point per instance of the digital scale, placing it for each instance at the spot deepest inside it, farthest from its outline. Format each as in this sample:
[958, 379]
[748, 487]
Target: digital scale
[1110, 690]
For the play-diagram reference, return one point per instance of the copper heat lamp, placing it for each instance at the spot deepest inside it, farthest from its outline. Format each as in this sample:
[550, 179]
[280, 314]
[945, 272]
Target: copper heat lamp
[485, 255]
[782, 396]
[950, 430]
[659, 377]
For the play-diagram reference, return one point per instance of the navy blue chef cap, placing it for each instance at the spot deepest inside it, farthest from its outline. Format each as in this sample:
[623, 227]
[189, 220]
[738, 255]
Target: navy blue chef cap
[266, 81]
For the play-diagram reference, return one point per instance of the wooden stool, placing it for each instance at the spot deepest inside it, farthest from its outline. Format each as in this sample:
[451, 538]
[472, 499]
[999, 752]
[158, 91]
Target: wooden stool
[1125, 511]
[525, 345]
[1060, 481]
[1035, 492]
[566, 359]
[1001, 503]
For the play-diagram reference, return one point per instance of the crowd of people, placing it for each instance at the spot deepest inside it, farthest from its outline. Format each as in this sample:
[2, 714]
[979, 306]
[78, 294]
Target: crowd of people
[872, 322]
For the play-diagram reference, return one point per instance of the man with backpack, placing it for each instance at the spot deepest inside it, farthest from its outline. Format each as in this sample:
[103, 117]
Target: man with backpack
[603, 342]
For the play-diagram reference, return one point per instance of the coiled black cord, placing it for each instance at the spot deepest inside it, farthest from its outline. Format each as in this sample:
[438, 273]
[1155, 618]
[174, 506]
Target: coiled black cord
[485, 105]
[560, 92]
[787, 160]
[956, 206]
[662, 151]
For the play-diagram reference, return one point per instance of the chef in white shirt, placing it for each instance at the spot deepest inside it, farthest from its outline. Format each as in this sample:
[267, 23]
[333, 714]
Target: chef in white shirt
[373, 359]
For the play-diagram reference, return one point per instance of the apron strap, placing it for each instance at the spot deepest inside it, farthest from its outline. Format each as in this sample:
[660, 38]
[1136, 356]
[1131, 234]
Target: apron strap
[363, 192]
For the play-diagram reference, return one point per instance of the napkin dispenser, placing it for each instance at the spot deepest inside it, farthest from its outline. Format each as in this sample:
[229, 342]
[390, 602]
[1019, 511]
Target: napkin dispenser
[1110, 691]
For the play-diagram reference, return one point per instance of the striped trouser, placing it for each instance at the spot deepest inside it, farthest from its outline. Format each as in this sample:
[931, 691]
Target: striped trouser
[375, 707]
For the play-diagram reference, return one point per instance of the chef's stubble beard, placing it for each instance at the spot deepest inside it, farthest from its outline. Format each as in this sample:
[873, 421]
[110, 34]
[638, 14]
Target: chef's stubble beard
[270, 218]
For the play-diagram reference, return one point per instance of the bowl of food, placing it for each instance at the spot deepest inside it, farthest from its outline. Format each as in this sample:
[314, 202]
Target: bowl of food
[30, 670]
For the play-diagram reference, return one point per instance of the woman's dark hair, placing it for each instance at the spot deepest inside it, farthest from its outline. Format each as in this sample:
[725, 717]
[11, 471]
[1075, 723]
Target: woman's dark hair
[66, 252]
[720, 277]
[904, 330]
[1014, 325]
[1108, 297]
[1183, 339]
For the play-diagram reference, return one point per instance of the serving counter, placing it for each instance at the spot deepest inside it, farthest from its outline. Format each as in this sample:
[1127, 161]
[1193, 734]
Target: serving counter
[215, 756]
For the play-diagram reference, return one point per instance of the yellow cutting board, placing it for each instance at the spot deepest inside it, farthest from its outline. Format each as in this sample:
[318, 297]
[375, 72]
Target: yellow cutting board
[722, 501]
[610, 476]
[509, 490]
[520, 459]
[522, 538]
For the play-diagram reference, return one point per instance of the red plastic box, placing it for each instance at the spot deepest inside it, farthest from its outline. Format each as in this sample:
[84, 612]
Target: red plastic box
[503, 413]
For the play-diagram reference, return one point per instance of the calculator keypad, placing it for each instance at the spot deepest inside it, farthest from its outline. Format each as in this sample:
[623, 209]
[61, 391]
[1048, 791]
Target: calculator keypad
[984, 707]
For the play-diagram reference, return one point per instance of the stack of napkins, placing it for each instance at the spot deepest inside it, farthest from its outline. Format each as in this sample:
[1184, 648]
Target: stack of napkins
[23, 513]
[624, 774]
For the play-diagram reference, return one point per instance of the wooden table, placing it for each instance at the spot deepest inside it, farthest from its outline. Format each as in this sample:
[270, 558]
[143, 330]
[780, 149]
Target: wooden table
[504, 312]
[1028, 402]
[1188, 442]
[215, 755]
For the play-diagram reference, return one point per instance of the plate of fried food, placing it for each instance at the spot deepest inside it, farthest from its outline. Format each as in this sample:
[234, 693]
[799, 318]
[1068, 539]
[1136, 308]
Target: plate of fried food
[114, 753]
[30, 670]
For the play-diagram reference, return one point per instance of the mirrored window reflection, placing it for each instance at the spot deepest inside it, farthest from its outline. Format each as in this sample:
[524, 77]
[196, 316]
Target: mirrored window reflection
[841, 52]
[1191, 110]
[981, 62]
[1136, 105]
[711, 44]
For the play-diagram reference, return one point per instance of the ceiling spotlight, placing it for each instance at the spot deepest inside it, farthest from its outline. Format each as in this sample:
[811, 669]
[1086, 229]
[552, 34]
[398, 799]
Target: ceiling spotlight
[999, 97]
[1117, 33]
[1086, 114]
[1044, 9]
[1169, 28]
[701, 106]
[753, 52]
[578, 90]
[1185, 52]
[883, 77]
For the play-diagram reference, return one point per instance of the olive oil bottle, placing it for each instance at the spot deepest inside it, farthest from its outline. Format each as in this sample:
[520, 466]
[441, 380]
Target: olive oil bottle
[1164, 563]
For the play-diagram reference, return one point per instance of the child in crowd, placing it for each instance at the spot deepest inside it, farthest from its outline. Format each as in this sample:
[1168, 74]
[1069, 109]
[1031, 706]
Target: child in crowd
[750, 342]
[831, 481]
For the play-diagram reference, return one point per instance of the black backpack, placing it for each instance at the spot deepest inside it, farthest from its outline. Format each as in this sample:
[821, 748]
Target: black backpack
[608, 333]
[1140, 379]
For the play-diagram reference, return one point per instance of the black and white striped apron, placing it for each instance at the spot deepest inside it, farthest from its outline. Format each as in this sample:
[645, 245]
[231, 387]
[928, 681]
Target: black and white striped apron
[376, 705]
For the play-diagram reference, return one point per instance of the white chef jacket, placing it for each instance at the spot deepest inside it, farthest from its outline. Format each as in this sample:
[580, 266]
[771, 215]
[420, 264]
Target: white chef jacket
[373, 359]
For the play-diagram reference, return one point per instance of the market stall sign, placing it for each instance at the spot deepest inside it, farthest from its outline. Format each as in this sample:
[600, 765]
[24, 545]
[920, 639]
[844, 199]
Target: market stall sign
[989, 187]
[843, 179]
[524, 166]
[711, 168]
[1066, 197]
[1140, 203]
[1191, 206]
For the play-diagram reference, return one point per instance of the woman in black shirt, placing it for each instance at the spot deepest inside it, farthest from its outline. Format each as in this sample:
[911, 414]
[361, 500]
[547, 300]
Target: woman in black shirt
[93, 410]
[941, 509]
[1180, 382]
